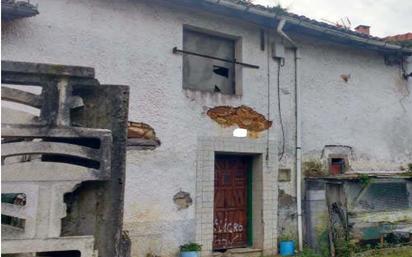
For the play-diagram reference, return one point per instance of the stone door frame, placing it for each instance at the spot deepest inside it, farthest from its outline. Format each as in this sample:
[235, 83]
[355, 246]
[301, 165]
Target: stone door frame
[265, 189]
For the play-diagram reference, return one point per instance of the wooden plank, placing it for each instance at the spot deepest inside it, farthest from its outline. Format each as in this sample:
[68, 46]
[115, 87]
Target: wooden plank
[49, 171]
[24, 148]
[363, 191]
[332, 249]
[20, 96]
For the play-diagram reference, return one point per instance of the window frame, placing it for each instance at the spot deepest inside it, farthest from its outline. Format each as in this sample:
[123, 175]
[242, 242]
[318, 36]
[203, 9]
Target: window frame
[237, 76]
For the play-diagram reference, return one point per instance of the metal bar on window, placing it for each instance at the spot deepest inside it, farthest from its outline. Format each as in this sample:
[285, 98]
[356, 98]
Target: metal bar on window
[175, 51]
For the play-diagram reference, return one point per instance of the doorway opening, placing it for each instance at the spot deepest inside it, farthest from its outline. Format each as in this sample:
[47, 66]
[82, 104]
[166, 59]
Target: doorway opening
[232, 217]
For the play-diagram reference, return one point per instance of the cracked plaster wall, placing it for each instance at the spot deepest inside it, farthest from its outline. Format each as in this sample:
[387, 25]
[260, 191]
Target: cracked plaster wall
[130, 42]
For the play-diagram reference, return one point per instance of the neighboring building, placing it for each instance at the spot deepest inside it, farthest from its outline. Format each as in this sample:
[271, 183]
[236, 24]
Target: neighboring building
[354, 106]
[400, 37]
[404, 40]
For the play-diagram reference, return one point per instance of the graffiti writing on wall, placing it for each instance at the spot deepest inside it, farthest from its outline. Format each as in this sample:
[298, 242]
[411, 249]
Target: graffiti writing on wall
[228, 233]
[227, 227]
[227, 242]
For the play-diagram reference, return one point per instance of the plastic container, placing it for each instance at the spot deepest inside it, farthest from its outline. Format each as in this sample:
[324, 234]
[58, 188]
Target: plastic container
[287, 248]
[189, 254]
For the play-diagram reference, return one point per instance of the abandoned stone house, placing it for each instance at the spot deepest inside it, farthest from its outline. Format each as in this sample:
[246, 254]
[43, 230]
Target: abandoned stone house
[316, 100]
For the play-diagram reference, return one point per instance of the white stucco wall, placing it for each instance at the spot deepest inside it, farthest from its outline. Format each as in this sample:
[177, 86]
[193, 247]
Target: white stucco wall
[130, 42]
[371, 112]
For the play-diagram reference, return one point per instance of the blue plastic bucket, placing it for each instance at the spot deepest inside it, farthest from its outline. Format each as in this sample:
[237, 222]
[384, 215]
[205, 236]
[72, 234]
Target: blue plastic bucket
[188, 254]
[287, 248]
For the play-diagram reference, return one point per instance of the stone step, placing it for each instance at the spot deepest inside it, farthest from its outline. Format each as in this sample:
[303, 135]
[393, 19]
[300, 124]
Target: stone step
[240, 252]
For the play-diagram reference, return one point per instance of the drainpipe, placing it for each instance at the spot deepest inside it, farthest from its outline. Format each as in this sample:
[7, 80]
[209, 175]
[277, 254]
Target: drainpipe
[298, 133]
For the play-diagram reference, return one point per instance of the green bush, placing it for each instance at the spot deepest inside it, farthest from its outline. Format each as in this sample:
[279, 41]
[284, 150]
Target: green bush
[191, 247]
[364, 179]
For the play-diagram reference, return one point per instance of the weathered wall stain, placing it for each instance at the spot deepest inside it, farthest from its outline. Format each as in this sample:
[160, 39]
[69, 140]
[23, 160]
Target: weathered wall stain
[243, 116]
[286, 214]
[286, 200]
[345, 77]
[182, 200]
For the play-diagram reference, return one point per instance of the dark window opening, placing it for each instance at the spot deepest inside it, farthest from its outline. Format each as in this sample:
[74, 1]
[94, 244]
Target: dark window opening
[93, 164]
[384, 197]
[72, 253]
[14, 198]
[386, 239]
[18, 199]
[207, 74]
[284, 175]
[13, 221]
[222, 71]
[337, 166]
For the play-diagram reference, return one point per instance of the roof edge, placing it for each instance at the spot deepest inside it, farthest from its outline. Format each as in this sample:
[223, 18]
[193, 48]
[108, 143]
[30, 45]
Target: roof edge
[271, 18]
[384, 45]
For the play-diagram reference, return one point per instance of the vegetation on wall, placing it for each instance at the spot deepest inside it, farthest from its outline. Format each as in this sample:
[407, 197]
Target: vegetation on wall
[408, 171]
[364, 179]
[314, 168]
[277, 9]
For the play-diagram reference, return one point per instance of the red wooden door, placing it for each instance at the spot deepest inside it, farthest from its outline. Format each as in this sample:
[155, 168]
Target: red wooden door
[230, 206]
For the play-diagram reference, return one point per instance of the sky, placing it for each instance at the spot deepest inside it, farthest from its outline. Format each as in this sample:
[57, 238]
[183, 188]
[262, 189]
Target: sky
[386, 17]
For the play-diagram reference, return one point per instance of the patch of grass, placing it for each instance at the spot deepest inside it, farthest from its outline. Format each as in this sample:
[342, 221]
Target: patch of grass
[324, 243]
[307, 252]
